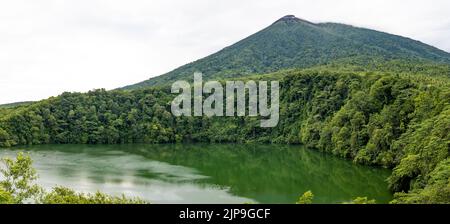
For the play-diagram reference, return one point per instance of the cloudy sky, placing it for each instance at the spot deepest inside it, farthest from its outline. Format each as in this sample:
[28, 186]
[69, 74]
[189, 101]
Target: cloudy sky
[51, 46]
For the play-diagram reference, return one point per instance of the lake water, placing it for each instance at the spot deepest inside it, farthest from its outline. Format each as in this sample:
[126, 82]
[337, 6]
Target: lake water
[206, 173]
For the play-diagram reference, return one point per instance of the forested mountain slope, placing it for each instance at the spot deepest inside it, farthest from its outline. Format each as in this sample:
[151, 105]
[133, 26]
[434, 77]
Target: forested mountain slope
[13, 105]
[372, 97]
[396, 121]
[294, 43]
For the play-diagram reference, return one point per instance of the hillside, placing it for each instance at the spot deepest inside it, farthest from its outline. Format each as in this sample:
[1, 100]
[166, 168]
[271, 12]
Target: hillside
[294, 43]
[395, 121]
[371, 97]
[13, 105]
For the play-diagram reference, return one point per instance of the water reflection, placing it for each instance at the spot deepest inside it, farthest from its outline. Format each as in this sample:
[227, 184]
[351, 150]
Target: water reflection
[207, 173]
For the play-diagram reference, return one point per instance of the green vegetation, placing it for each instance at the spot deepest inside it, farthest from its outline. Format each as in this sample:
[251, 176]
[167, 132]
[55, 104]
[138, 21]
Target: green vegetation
[18, 184]
[6, 197]
[372, 97]
[294, 43]
[62, 195]
[396, 121]
[18, 187]
[362, 201]
[14, 105]
[306, 198]
[436, 190]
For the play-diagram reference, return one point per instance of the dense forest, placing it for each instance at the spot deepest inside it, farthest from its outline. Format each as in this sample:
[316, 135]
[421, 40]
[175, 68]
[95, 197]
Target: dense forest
[13, 105]
[367, 96]
[395, 120]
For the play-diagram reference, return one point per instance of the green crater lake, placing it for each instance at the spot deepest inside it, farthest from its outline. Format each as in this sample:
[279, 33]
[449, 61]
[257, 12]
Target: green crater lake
[206, 173]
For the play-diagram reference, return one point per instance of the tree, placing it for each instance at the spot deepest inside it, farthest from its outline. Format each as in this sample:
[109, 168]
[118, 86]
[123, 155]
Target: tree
[62, 195]
[5, 197]
[19, 177]
[381, 115]
[306, 198]
[18, 187]
[5, 140]
[362, 200]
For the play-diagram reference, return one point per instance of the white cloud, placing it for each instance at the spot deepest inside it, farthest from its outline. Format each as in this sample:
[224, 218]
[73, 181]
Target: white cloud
[47, 47]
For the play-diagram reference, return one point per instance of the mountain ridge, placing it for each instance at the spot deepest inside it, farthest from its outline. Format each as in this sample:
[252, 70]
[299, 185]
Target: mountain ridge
[291, 42]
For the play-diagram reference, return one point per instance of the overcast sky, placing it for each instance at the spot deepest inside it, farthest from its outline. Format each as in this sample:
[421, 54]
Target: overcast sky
[48, 47]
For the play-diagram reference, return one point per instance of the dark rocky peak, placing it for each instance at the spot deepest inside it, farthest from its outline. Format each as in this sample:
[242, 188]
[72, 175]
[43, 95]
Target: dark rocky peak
[291, 19]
